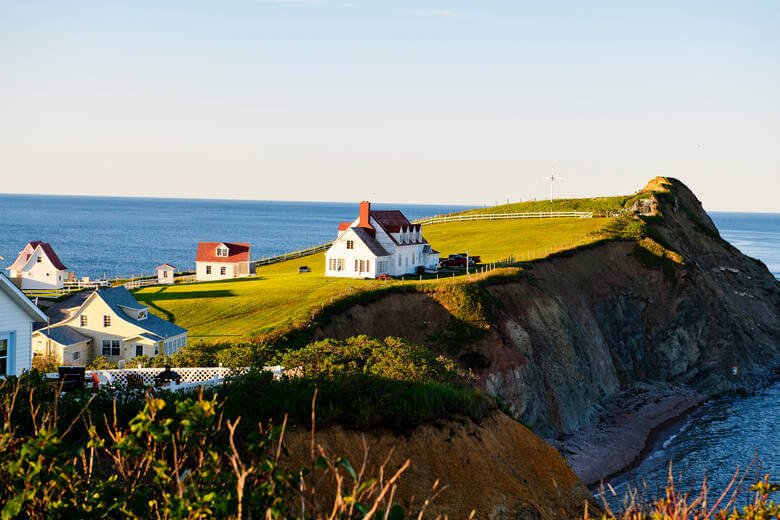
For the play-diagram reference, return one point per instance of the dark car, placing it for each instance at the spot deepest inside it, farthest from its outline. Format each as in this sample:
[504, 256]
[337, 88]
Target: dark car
[304, 269]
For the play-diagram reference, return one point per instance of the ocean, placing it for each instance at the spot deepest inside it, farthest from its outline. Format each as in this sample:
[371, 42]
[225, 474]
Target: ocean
[118, 236]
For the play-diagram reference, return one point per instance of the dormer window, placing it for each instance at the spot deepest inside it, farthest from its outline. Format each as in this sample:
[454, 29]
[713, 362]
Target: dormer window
[141, 315]
[39, 260]
[222, 251]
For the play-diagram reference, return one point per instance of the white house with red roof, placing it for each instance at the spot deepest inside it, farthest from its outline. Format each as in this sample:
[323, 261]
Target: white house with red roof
[379, 242]
[223, 260]
[38, 267]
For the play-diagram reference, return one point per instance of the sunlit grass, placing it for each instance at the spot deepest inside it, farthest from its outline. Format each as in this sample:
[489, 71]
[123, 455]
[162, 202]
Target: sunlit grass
[235, 309]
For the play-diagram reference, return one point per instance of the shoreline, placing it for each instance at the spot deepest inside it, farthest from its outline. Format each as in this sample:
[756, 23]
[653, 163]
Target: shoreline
[622, 437]
[656, 434]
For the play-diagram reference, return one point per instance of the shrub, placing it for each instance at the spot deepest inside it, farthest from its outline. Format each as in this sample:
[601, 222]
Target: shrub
[45, 362]
[101, 363]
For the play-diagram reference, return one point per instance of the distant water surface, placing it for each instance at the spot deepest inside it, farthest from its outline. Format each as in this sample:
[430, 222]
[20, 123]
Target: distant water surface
[120, 236]
[755, 234]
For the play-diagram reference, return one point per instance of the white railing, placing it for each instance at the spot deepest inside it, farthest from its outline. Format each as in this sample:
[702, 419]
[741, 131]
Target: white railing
[191, 377]
[46, 293]
[86, 284]
[503, 216]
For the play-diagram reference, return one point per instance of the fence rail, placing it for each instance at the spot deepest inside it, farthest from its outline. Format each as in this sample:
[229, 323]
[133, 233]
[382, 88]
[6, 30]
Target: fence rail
[294, 254]
[503, 216]
[46, 293]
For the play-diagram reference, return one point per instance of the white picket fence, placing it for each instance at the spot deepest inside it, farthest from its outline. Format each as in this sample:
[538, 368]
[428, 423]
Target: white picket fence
[191, 377]
[503, 216]
[294, 254]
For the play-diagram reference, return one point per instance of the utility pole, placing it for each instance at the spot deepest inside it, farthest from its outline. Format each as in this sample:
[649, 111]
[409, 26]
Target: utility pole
[552, 178]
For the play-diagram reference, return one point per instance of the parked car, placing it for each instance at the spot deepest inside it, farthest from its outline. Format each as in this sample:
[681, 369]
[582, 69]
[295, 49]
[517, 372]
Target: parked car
[384, 276]
[304, 269]
[453, 261]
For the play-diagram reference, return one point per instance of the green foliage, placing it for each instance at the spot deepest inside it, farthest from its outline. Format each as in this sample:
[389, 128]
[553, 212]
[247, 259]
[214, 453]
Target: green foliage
[45, 363]
[354, 400]
[599, 205]
[101, 363]
[392, 358]
[175, 458]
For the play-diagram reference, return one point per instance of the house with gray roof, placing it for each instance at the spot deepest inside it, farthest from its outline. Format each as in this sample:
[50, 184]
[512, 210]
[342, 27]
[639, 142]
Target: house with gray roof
[379, 242]
[105, 322]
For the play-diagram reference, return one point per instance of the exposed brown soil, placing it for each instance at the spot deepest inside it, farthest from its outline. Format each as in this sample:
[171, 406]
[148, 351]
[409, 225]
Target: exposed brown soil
[498, 468]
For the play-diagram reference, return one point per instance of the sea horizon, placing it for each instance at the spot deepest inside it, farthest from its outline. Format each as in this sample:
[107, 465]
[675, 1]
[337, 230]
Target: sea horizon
[108, 236]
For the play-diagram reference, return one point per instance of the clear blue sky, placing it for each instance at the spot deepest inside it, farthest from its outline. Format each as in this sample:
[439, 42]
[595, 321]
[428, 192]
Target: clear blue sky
[397, 101]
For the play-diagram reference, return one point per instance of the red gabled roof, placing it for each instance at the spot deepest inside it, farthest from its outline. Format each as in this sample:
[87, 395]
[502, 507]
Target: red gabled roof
[207, 252]
[49, 252]
[393, 221]
[343, 226]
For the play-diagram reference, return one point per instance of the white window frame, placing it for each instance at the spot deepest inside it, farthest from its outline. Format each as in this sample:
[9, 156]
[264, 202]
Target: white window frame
[110, 344]
[208, 269]
[84, 320]
[75, 355]
[6, 336]
[222, 270]
[106, 320]
[137, 345]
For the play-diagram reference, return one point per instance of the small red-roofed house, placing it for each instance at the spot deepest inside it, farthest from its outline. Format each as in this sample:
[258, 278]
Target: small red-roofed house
[223, 260]
[38, 267]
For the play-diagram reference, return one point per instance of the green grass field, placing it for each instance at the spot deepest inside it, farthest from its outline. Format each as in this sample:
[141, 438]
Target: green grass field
[236, 309]
[599, 205]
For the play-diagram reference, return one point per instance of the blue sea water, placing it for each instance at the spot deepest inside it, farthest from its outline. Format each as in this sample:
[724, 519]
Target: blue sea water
[755, 234]
[119, 236]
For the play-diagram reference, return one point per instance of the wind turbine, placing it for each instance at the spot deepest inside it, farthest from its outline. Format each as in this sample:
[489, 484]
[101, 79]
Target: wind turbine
[552, 178]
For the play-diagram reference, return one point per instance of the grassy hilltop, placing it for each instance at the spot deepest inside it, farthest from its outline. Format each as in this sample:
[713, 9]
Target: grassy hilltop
[236, 309]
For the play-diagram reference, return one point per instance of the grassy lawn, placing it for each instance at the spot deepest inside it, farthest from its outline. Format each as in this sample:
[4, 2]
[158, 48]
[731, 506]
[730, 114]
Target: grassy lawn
[496, 240]
[235, 309]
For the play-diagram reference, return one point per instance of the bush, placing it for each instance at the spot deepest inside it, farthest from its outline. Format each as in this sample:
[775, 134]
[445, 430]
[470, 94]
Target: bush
[101, 363]
[45, 362]
[392, 358]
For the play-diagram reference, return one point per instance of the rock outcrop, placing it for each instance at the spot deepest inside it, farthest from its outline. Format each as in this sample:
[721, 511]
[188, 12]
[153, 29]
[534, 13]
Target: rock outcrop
[571, 334]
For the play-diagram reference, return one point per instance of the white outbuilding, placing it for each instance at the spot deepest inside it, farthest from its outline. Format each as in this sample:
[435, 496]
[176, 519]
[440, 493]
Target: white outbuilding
[165, 273]
[379, 242]
[17, 315]
[38, 267]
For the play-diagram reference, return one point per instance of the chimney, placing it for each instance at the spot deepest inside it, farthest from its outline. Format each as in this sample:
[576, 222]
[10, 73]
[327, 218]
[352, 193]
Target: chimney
[365, 211]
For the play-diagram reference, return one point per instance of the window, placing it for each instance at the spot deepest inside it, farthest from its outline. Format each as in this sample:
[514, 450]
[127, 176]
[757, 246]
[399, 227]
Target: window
[76, 355]
[156, 349]
[350, 244]
[84, 321]
[38, 260]
[222, 251]
[362, 266]
[141, 315]
[340, 264]
[368, 265]
[165, 274]
[139, 350]
[110, 347]
[4, 356]
[208, 269]
[356, 264]
[399, 261]
[222, 270]
[106, 320]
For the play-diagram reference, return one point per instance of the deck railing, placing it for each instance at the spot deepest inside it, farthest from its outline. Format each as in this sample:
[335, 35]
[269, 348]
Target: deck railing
[46, 293]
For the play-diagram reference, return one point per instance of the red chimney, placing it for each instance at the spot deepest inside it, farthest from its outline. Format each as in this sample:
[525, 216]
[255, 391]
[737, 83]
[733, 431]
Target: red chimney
[365, 212]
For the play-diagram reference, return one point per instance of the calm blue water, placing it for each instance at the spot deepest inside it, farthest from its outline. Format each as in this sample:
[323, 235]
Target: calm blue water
[727, 433]
[122, 236]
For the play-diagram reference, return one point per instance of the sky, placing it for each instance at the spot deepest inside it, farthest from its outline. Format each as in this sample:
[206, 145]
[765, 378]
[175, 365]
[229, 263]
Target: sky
[418, 101]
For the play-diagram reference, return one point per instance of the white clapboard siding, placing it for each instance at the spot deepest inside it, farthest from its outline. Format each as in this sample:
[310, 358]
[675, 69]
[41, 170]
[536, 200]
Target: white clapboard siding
[14, 320]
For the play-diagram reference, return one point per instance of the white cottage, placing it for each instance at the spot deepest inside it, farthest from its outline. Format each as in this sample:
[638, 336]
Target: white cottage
[17, 315]
[223, 260]
[379, 242]
[38, 267]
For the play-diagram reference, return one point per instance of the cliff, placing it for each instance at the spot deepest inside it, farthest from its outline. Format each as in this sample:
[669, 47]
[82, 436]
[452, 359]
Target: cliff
[497, 468]
[640, 327]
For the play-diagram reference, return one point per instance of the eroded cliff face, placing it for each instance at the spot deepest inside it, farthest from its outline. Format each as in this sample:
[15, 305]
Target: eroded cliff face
[572, 333]
[497, 468]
